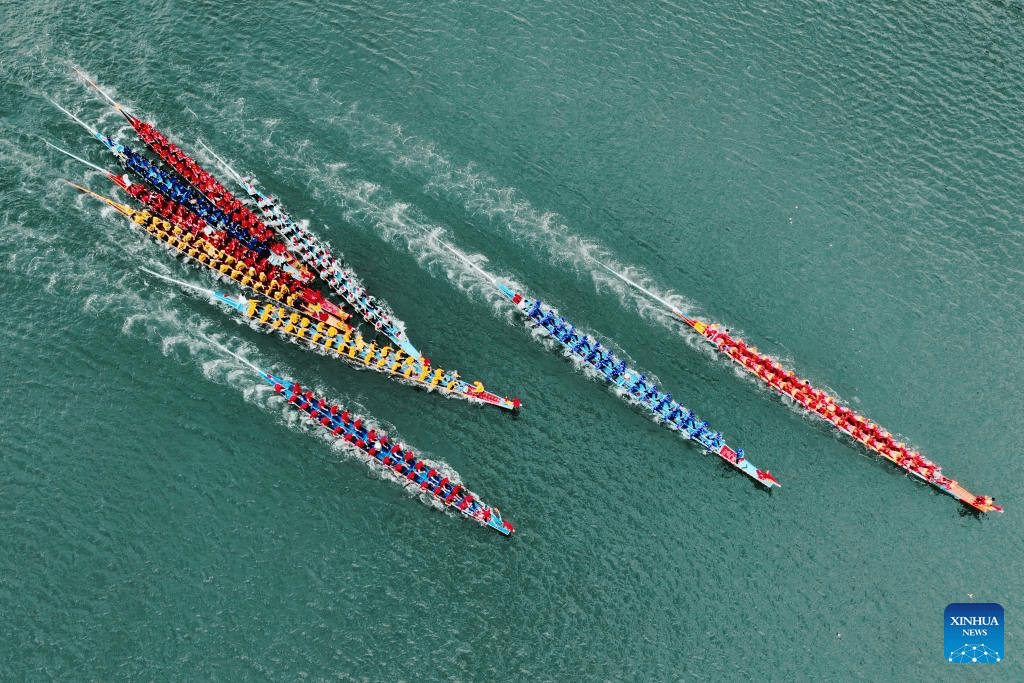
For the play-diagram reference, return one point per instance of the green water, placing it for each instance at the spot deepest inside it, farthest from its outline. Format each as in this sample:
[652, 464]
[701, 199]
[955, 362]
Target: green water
[838, 185]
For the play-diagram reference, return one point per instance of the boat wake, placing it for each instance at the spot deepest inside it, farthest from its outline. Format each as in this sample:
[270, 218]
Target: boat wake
[481, 195]
[431, 246]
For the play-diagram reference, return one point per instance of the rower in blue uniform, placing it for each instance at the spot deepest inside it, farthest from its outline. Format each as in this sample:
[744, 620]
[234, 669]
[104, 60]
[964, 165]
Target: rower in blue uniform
[661, 403]
[578, 346]
[535, 310]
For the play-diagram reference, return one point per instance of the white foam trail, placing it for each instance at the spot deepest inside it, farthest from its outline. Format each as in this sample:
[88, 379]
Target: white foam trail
[366, 203]
[236, 356]
[180, 283]
[642, 289]
[480, 194]
[80, 122]
[108, 98]
[465, 259]
[77, 158]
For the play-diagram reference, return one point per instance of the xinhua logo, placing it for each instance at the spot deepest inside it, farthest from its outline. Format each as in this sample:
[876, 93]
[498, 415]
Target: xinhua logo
[974, 633]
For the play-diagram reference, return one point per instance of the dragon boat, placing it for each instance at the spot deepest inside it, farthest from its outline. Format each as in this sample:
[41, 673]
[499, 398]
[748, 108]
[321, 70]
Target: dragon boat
[402, 462]
[298, 240]
[355, 349]
[824, 405]
[397, 461]
[667, 411]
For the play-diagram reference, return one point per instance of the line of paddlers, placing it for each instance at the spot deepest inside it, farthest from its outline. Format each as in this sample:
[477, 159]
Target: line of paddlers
[346, 342]
[822, 403]
[603, 360]
[389, 455]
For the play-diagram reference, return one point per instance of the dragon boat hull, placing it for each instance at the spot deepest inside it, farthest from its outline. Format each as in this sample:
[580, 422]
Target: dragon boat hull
[379, 451]
[845, 421]
[657, 404]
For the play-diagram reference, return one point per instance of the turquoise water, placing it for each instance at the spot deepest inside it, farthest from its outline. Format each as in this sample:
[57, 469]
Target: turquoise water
[838, 185]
